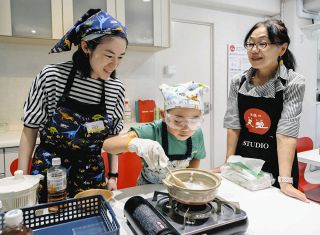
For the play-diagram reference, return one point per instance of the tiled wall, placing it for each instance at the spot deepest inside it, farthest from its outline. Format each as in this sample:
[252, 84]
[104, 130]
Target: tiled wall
[19, 64]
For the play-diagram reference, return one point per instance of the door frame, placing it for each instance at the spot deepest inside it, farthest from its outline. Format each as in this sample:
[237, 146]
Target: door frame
[211, 85]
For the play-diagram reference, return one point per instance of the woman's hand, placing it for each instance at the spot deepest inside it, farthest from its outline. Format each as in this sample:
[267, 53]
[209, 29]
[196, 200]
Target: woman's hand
[112, 183]
[216, 169]
[291, 191]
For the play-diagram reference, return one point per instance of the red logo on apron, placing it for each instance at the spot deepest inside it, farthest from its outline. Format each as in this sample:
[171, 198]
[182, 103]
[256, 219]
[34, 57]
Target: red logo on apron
[257, 121]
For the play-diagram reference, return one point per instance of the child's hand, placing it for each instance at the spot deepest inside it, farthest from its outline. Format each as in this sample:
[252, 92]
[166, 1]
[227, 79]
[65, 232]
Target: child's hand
[151, 151]
[112, 184]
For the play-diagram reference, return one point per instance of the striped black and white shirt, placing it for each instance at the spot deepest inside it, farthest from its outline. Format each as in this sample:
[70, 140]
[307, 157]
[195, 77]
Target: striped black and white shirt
[293, 93]
[48, 87]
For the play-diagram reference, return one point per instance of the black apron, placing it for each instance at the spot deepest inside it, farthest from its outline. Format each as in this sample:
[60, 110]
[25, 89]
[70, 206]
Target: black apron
[165, 145]
[259, 117]
[75, 133]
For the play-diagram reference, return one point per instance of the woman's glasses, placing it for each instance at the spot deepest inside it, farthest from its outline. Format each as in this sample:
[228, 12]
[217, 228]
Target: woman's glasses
[258, 45]
[179, 123]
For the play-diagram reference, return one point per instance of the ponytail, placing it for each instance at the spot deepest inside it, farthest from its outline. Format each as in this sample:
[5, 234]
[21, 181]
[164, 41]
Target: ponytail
[289, 60]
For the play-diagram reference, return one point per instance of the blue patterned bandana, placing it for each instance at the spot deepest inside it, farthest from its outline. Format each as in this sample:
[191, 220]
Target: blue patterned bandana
[93, 24]
[186, 95]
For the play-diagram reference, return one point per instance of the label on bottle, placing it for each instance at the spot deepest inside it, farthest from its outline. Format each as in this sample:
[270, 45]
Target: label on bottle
[57, 183]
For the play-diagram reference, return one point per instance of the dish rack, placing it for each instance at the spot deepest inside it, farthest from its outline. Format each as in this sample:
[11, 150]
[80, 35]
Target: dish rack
[82, 216]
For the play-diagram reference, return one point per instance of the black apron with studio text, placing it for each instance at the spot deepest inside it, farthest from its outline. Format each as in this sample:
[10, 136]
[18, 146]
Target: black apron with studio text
[259, 117]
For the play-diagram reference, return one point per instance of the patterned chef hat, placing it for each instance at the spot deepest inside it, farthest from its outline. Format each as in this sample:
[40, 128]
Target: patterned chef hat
[186, 95]
[93, 24]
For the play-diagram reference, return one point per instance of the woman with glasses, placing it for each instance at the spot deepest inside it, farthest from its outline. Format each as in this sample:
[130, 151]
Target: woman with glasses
[265, 104]
[176, 142]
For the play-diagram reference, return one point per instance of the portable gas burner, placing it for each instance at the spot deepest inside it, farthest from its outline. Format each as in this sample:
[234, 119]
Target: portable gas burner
[164, 215]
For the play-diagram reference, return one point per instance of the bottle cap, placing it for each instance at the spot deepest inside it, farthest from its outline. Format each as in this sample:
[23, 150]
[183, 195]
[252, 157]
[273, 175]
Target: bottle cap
[56, 161]
[13, 218]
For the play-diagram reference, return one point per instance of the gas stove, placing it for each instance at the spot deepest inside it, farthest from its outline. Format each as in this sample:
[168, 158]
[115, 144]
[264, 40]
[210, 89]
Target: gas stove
[162, 214]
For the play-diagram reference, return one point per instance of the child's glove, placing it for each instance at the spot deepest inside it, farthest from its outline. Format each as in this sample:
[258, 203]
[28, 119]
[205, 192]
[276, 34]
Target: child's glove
[151, 151]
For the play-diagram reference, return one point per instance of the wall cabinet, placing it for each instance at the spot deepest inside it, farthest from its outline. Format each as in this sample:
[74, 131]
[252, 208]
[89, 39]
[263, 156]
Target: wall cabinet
[148, 21]
[32, 18]
[74, 9]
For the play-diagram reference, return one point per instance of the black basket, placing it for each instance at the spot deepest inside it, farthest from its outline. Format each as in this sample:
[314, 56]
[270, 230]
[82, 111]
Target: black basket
[87, 215]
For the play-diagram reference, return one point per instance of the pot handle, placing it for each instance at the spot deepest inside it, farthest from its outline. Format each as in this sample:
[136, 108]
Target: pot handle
[167, 183]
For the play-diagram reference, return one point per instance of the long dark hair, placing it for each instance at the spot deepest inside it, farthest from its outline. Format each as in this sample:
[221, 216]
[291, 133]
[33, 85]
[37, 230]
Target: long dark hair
[278, 34]
[81, 59]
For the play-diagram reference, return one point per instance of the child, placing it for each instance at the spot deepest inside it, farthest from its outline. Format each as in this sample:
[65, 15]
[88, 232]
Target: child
[176, 142]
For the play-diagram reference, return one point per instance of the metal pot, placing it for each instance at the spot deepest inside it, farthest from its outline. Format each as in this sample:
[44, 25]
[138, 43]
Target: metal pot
[197, 195]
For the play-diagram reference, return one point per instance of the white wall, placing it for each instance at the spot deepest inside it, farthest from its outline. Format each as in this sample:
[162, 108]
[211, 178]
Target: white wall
[304, 48]
[228, 28]
[19, 64]
[142, 71]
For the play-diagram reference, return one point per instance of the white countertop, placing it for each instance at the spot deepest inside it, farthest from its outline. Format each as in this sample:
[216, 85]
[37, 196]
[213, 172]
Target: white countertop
[269, 211]
[311, 156]
[11, 138]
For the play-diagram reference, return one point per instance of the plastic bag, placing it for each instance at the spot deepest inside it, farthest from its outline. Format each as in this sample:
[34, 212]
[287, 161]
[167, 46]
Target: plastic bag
[247, 173]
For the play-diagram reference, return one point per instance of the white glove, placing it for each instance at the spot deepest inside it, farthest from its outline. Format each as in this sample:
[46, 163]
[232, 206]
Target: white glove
[151, 151]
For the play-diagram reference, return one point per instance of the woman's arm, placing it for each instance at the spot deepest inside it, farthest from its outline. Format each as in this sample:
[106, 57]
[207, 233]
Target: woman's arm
[286, 146]
[27, 143]
[232, 141]
[119, 143]
[286, 151]
[113, 146]
[113, 168]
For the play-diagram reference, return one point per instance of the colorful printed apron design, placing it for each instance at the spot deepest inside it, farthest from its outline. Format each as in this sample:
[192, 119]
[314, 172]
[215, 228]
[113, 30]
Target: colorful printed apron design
[259, 117]
[179, 161]
[75, 133]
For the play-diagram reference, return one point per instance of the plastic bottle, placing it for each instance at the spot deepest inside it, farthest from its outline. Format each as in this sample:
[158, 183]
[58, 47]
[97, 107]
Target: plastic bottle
[127, 111]
[13, 224]
[57, 181]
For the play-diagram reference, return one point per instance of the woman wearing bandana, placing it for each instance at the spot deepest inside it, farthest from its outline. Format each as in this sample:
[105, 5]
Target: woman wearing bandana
[265, 105]
[76, 105]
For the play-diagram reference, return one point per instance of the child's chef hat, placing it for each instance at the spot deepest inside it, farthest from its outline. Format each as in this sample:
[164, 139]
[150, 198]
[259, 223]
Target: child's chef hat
[186, 95]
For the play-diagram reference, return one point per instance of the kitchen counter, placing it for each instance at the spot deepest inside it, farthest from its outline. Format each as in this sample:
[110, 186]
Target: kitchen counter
[10, 139]
[311, 156]
[269, 211]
